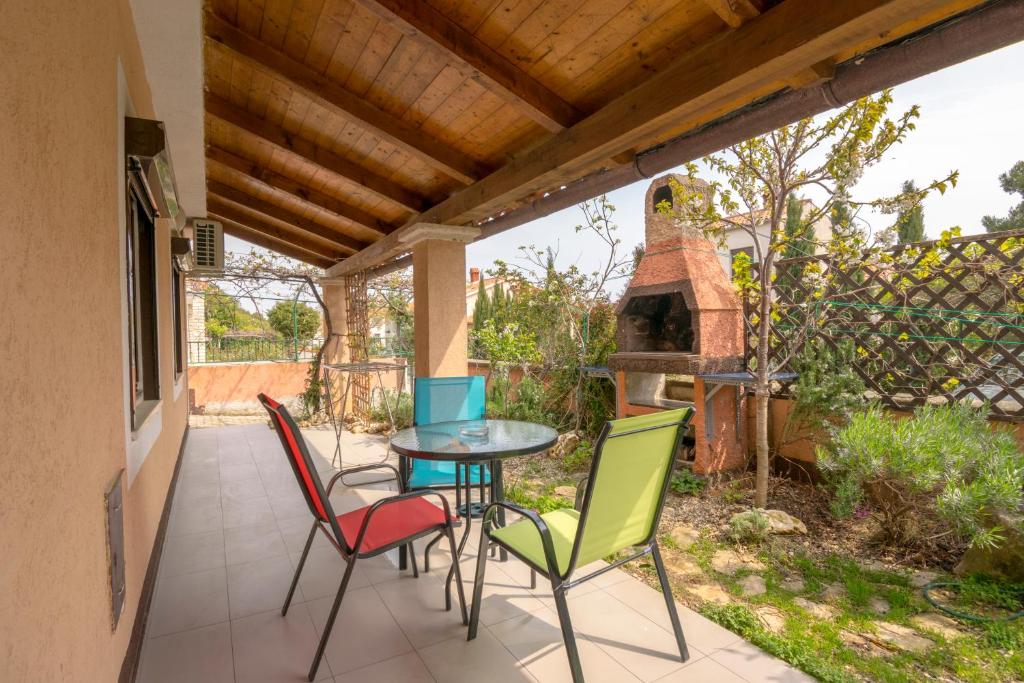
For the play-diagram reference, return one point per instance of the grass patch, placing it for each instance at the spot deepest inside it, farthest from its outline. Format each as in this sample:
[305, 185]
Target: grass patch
[542, 502]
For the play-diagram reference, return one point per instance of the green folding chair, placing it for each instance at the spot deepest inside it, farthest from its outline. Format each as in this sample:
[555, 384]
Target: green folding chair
[618, 509]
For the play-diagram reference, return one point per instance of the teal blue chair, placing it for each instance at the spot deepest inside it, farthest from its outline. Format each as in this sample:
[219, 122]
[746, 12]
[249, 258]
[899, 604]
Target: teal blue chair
[445, 399]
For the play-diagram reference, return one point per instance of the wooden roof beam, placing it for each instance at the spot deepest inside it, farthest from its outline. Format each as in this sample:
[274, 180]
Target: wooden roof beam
[366, 223]
[261, 239]
[333, 97]
[477, 60]
[793, 35]
[271, 210]
[293, 144]
[241, 213]
[735, 13]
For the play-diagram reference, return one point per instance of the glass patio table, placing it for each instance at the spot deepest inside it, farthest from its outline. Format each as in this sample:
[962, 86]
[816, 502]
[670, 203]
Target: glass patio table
[474, 442]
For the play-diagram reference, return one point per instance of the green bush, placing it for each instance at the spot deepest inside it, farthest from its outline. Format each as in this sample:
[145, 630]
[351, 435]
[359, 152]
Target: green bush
[944, 466]
[686, 483]
[749, 526]
[579, 460]
[401, 408]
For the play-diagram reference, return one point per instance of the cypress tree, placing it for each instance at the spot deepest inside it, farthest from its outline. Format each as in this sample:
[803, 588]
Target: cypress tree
[910, 224]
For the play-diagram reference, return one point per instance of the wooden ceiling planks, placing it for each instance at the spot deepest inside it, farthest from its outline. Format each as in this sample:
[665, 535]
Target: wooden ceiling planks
[365, 112]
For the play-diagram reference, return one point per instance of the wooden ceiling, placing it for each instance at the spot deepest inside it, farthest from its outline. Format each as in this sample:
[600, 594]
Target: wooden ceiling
[331, 125]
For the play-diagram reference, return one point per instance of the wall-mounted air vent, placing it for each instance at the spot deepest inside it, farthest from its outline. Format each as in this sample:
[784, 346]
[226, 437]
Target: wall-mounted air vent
[208, 245]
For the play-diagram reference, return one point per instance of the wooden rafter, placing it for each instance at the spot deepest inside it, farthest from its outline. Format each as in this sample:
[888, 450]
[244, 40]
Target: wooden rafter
[255, 221]
[333, 97]
[293, 144]
[366, 223]
[477, 60]
[271, 210]
[735, 13]
[794, 35]
[261, 239]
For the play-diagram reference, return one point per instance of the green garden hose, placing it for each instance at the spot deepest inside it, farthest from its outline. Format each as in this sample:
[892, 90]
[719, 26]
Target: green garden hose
[958, 614]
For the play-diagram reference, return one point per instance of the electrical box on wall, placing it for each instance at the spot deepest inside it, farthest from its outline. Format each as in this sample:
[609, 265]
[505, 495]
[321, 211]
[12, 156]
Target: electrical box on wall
[114, 501]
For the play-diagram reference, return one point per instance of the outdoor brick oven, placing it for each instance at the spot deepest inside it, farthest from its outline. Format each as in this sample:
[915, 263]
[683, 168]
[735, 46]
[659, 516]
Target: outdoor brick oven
[679, 322]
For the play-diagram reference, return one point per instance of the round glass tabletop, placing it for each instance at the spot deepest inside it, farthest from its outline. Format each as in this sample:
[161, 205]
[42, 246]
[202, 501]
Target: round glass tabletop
[473, 440]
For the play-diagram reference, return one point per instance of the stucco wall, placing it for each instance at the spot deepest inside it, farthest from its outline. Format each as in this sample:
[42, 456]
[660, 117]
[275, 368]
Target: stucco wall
[226, 388]
[64, 437]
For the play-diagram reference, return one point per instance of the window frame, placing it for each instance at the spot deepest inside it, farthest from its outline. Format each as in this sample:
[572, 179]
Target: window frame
[141, 286]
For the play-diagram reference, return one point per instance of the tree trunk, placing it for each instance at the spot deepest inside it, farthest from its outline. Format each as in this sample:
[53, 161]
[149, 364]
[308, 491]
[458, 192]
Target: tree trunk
[761, 396]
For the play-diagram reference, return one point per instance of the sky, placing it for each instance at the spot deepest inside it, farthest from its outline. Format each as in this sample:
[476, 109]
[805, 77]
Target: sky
[972, 120]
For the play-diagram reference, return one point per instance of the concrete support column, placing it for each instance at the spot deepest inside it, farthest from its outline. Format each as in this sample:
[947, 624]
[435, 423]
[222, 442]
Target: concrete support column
[336, 347]
[439, 291]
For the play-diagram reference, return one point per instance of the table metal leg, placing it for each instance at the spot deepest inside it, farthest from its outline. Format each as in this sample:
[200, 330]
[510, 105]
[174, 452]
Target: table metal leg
[468, 519]
[498, 487]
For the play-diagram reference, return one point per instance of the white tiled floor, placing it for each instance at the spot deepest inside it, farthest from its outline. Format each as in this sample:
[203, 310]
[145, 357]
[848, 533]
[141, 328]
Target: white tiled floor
[238, 525]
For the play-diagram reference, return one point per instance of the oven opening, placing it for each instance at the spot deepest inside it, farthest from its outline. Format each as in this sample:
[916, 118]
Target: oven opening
[658, 323]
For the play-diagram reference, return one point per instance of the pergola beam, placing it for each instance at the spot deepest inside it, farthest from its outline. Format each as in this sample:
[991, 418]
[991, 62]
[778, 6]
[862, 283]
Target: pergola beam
[256, 221]
[791, 37]
[266, 241]
[271, 210]
[340, 101]
[477, 60]
[286, 141]
[240, 166]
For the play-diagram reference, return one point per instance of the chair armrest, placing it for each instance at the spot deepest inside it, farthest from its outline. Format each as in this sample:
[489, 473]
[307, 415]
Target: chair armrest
[364, 468]
[535, 519]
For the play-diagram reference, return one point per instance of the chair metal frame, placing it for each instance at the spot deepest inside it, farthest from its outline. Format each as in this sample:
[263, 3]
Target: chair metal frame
[561, 582]
[281, 419]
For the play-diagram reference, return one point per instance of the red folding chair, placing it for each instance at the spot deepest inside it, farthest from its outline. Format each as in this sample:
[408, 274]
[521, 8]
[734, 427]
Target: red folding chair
[371, 530]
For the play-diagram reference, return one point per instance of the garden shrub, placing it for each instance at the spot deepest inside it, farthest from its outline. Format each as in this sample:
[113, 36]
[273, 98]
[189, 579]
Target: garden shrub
[942, 471]
[686, 483]
[579, 460]
[749, 526]
[401, 408]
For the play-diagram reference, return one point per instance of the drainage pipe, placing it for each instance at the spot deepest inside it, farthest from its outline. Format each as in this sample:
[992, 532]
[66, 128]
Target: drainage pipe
[991, 26]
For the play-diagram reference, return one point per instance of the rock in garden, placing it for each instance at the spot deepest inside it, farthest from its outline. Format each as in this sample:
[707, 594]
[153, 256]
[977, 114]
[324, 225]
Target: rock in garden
[683, 566]
[939, 623]
[815, 609]
[878, 605]
[773, 618]
[729, 562]
[566, 491]
[752, 585]
[897, 637]
[565, 444]
[833, 591]
[920, 579]
[1005, 561]
[784, 523]
[685, 535]
[793, 584]
[711, 592]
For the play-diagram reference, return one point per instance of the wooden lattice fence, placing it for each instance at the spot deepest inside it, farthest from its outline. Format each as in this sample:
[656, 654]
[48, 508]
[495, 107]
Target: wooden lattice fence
[928, 322]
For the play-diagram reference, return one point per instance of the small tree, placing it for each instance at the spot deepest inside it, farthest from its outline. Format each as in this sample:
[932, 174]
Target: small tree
[294, 320]
[1012, 182]
[827, 155]
[910, 222]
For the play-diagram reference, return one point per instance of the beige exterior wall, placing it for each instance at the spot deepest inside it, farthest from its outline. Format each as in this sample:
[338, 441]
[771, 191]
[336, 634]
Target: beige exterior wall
[439, 282]
[63, 423]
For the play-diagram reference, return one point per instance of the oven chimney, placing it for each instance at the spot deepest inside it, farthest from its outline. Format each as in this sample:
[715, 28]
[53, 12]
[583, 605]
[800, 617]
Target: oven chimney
[474, 275]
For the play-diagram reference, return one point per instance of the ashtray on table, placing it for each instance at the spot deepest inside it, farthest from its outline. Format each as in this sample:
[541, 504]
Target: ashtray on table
[474, 431]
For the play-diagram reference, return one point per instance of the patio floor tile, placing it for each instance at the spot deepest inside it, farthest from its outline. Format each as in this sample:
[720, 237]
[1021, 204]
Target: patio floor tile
[253, 542]
[274, 649]
[703, 670]
[633, 640]
[189, 601]
[408, 668]
[323, 571]
[364, 633]
[202, 655]
[193, 519]
[260, 586]
[536, 641]
[418, 607]
[483, 659]
[246, 512]
[192, 553]
[754, 664]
